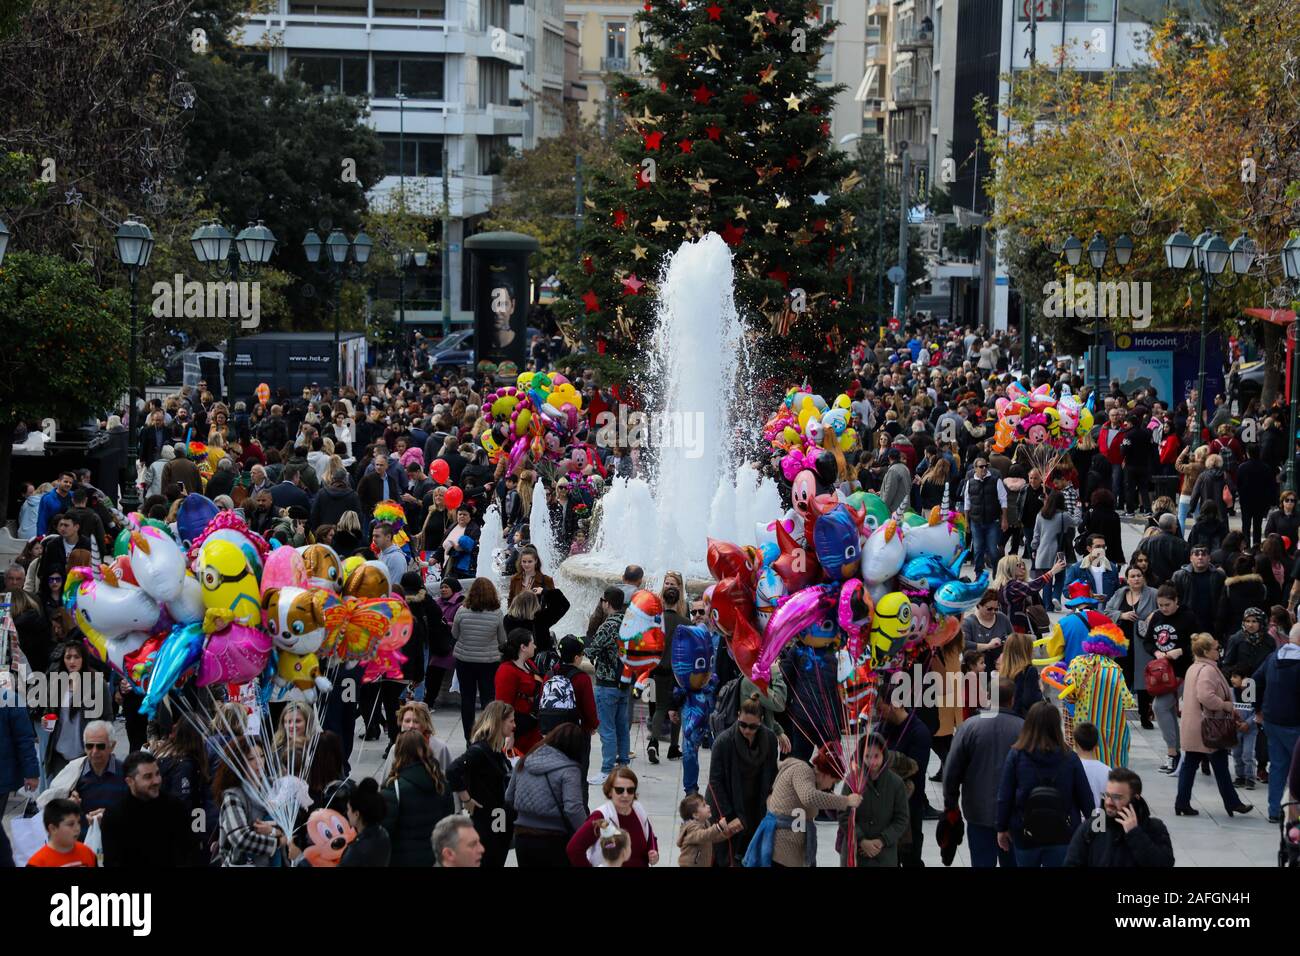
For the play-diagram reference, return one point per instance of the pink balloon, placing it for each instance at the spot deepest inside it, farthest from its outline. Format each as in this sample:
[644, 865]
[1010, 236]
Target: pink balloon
[800, 611]
[234, 655]
[284, 568]
[517, 451]
[558, 379]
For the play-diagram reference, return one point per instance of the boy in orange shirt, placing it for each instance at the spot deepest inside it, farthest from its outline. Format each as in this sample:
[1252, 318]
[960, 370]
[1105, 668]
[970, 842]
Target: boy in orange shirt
[62, 827]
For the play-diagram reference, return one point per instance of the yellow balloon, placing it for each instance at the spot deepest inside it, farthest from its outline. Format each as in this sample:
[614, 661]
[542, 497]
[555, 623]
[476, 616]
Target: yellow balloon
[842, 401]
[489, 443]
[522, 421]
[848, 440]
[525, 379]
[1085, 420]
[806, 413]
[503, 406]
[789, 435]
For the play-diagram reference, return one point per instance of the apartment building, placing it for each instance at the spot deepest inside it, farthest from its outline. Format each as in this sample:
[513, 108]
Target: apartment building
[607, 40]
[453, 85]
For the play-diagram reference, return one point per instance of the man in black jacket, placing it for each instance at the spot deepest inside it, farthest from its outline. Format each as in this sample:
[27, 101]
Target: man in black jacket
[147, 829]
[1201, 588]
[1257, 493]
[1139, 458]
[1123, 833]
[1166, 552]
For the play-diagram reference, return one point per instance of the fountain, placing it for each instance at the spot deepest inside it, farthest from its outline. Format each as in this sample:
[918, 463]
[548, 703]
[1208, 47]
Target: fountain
[698, 487]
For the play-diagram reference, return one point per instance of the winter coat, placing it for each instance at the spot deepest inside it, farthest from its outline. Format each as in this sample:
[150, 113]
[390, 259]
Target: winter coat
[414, 808]
[332, 503]
[974, 765]
[1202, 593]
[1052, 535]
[795, 789]
[17, 744]
[1109, 579]
[1103, 520]
[1205, 691]
[1148, 845]
[1277, 687]
[372, 847]
[1166, 552]
[882, 815]
[896, 487]
[1240, 593]
[1244, 654]
[1256, 486]
[1209, 487]
[547, 792]
[1025, 770]
[695, 843]
[479, 635]
[729, 792]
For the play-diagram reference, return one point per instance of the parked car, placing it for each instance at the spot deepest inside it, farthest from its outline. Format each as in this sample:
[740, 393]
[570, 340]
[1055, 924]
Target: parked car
[458, 348]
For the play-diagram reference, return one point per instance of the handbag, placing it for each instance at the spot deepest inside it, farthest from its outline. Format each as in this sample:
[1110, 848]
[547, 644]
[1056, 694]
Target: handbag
[1160, 677]
[1219, 730]
[1227, 496]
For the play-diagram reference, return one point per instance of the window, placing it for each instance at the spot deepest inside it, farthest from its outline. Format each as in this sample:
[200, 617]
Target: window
[492, 154]
[422, 155]
[329, 8]
[875, 23]
[616, 41]
[331, 73]
[493, 83]
[826, 13]
[411, 9]
[1089, 11]
[419, 77]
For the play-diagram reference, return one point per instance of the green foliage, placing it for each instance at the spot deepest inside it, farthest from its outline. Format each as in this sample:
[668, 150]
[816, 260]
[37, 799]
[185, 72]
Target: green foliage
[540, 190]
[737, 129]
[66, 341]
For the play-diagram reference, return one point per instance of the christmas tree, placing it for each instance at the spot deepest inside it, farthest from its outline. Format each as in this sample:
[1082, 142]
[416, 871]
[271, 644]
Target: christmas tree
[730, 135]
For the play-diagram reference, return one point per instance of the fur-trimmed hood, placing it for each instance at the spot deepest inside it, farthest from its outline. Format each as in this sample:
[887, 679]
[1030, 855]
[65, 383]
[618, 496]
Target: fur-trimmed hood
[1244, 579]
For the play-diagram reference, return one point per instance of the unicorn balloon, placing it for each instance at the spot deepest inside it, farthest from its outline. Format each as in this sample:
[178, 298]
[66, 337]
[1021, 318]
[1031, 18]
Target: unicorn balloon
[882, 557]
[157, 563]
[936, 532]
[106, 607]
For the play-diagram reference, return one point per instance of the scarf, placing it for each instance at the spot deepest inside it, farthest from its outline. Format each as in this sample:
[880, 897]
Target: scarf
[751, 759]
[759, 853]
[609, 813]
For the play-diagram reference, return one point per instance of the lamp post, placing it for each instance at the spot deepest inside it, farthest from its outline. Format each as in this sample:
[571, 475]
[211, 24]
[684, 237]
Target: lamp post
[250, 251]
[1290, 266]
[1209, 255]
[344, 259]
[134, 243]
[1098, 250]
[404, 259]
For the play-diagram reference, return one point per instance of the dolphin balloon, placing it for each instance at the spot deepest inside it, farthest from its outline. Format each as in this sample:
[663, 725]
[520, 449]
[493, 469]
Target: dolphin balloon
[958, 596]
[800, 611]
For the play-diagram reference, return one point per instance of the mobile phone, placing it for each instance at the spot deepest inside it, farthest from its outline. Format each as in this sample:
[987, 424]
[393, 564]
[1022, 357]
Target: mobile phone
[1060, 557]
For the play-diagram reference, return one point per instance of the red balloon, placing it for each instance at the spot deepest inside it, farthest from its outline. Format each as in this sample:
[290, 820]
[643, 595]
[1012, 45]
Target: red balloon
[454, 497]
[439, 471]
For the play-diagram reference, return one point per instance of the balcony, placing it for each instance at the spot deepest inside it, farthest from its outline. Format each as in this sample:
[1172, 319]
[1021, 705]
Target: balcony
[877, 53]
[914, 38]
[614, 64]
[909, 95]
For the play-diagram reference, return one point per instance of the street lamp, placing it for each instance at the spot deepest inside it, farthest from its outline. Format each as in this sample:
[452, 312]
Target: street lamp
[134, 244]
[336, 266]
[250, 251]
[1209, 254]
[404, 259]
[1098, 250]
[1291, 266]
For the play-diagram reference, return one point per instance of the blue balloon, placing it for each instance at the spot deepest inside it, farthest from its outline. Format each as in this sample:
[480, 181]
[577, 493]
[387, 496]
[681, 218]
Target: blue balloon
[193, 516]
[178, 655]
[928, 571]
[958, 596]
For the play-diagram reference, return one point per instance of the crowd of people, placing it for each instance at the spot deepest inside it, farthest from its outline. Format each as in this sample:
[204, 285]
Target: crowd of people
[1207, 610]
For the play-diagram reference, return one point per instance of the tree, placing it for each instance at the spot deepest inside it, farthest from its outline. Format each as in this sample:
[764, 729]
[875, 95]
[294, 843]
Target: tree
[410, 221]
[540, 190]
[263, 148]
[1203, 135]
[65, 355]
[731, 136]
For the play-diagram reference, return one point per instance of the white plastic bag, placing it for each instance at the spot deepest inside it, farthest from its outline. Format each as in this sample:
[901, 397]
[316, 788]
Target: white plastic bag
[28, 836]
[95, 839]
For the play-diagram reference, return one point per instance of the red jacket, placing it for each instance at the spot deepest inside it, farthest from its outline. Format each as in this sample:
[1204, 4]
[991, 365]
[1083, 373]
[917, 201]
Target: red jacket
[519, 689]
[1110, 443]
[584, 838]
[1170, 449]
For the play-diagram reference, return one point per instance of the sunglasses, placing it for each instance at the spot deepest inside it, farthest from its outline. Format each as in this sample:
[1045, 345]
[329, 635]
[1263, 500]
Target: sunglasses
[96, 746]
[979, 466]
[1114, 797]
[630, 791]
[697, 612]
[748, 727]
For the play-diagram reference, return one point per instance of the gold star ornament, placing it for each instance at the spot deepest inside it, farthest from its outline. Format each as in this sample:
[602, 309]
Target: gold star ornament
[660, 224]
[639, 251]
[792, 102]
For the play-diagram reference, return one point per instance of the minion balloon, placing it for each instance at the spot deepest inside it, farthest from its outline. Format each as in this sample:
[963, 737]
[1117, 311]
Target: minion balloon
[230, 589]
[889, 627]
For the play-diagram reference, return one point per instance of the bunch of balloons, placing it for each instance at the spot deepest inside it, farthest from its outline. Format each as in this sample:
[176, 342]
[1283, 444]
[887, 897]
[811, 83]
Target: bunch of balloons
[1039, 418]
[220, 606]
[540, 414]
[806, 423]
[841, 572]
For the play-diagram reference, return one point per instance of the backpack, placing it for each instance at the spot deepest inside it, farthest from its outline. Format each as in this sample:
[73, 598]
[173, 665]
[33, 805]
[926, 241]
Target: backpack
[725, 708]
[1046, 816]
[558, 702]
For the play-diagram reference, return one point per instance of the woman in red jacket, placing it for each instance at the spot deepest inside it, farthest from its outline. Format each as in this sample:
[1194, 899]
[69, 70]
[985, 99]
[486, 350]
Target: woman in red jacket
[623, 811]
[517, 684]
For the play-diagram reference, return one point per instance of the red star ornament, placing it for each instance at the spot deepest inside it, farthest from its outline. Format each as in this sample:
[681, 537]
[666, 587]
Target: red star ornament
[732, 234]
[652, 140]
[632, 285]
[749, 99]
[781, 276]
[715, 12]
[590, 300]
[620, 218]
[587, 265]
[715, 132]
[685, 145]
[703, 94]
